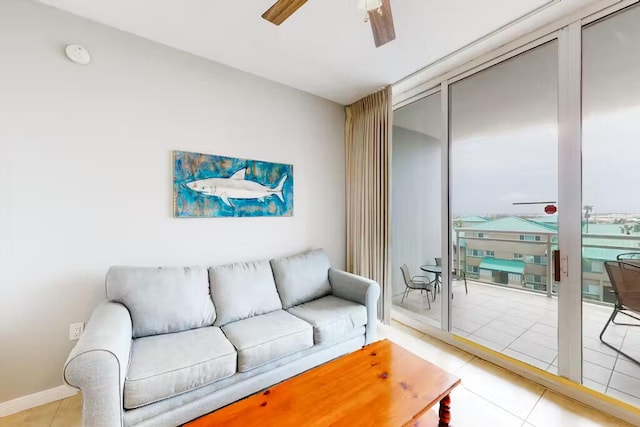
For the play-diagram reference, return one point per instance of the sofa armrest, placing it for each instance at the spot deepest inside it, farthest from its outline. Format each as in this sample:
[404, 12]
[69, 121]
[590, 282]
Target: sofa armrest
[361, 290]
[98, 363]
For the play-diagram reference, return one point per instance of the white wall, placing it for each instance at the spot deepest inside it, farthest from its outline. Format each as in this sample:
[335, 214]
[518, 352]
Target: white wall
[415, 198]
[422, 116]
[86, 173]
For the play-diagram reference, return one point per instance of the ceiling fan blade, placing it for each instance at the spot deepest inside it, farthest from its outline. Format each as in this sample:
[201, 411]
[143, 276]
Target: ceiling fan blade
[281, 10]
[382, 24]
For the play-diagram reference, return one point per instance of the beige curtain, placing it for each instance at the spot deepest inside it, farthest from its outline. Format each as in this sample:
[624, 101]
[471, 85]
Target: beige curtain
[368, 170]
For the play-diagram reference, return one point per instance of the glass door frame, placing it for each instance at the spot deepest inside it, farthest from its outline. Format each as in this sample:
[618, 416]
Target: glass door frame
[570, 201]
[447, 246]
[400, 312]
[568, 32]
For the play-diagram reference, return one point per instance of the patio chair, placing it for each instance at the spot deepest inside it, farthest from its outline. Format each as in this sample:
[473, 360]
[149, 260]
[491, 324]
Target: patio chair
[625, 280]
[461, 275]
[420, 283]
[630, 257]
[457, 275]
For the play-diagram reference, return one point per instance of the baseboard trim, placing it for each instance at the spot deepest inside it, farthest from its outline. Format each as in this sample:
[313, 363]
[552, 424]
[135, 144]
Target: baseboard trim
[36, 399]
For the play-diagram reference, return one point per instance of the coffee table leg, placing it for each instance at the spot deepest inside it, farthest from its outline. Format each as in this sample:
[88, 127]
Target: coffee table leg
[445, 412]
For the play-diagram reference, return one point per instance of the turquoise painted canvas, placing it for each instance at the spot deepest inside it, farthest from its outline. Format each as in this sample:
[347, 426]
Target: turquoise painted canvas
[206, 186]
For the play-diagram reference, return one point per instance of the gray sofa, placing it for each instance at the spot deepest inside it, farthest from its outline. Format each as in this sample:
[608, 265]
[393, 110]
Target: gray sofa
[171, 344]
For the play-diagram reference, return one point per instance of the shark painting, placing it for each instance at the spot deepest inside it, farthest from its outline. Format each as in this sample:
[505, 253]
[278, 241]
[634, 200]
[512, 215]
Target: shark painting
[236, 187]
[210, 186]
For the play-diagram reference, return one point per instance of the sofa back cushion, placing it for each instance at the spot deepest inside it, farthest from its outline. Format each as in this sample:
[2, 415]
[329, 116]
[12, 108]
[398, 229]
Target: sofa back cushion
[162, 299]
[242, 290]
[302, 278]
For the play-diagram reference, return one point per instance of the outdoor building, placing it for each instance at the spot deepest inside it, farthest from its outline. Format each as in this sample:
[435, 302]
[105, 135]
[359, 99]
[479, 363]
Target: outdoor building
[517, 252]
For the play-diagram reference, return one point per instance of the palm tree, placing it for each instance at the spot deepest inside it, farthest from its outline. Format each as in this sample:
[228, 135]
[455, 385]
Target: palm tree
[587, 214]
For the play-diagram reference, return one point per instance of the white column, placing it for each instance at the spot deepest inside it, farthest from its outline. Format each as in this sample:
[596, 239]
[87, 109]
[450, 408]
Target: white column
[447, 252]
[570, 202]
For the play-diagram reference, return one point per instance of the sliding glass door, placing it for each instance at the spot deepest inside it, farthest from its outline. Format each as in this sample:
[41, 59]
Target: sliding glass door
[611, 211]
[503, 157]
[532, 182]
[416, 219]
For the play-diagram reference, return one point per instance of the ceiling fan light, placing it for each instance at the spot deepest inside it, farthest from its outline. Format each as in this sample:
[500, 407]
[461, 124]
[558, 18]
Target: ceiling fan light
[368, 5]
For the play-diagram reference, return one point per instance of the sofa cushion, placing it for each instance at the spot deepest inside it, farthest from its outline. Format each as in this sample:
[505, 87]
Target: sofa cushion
[162, 366]
[268, 337]
[162, 299]
[243, 290]
[332, 318]
[303, 277]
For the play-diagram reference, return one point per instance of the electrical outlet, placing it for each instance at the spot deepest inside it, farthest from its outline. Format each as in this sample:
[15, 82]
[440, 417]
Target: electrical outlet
[75, 330]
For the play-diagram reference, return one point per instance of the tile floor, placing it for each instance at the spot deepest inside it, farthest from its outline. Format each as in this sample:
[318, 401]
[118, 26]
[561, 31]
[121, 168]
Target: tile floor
[62, 413]
[492, 396]
[523, 325]
[488, 396]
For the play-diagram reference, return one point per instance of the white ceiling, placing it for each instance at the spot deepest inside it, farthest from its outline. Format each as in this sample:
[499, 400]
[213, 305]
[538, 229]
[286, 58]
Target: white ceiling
[325, 48]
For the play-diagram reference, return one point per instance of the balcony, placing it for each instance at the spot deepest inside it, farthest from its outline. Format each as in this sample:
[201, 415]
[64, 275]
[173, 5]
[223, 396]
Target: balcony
[523, 325]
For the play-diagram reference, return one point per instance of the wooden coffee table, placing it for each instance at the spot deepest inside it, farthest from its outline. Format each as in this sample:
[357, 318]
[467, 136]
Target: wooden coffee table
[380, 385]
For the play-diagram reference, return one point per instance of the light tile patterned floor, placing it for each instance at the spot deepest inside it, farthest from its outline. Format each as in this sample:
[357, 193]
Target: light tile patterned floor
[489, 395]
[62, 413]
[523, 325]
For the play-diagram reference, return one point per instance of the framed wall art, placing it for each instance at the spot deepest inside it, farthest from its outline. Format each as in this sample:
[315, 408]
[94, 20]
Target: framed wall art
[206, 186]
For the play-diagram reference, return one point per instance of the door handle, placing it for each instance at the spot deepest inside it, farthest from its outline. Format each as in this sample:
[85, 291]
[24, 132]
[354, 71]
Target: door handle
[556, 265]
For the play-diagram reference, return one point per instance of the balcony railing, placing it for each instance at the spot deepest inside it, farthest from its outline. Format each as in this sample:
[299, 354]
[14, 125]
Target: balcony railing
[597, 248]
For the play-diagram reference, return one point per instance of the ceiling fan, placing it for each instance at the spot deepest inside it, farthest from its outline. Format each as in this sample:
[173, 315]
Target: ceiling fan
[378, 13]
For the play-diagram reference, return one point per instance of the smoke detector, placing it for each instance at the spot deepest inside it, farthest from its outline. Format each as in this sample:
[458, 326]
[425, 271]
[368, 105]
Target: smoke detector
[78, 54]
